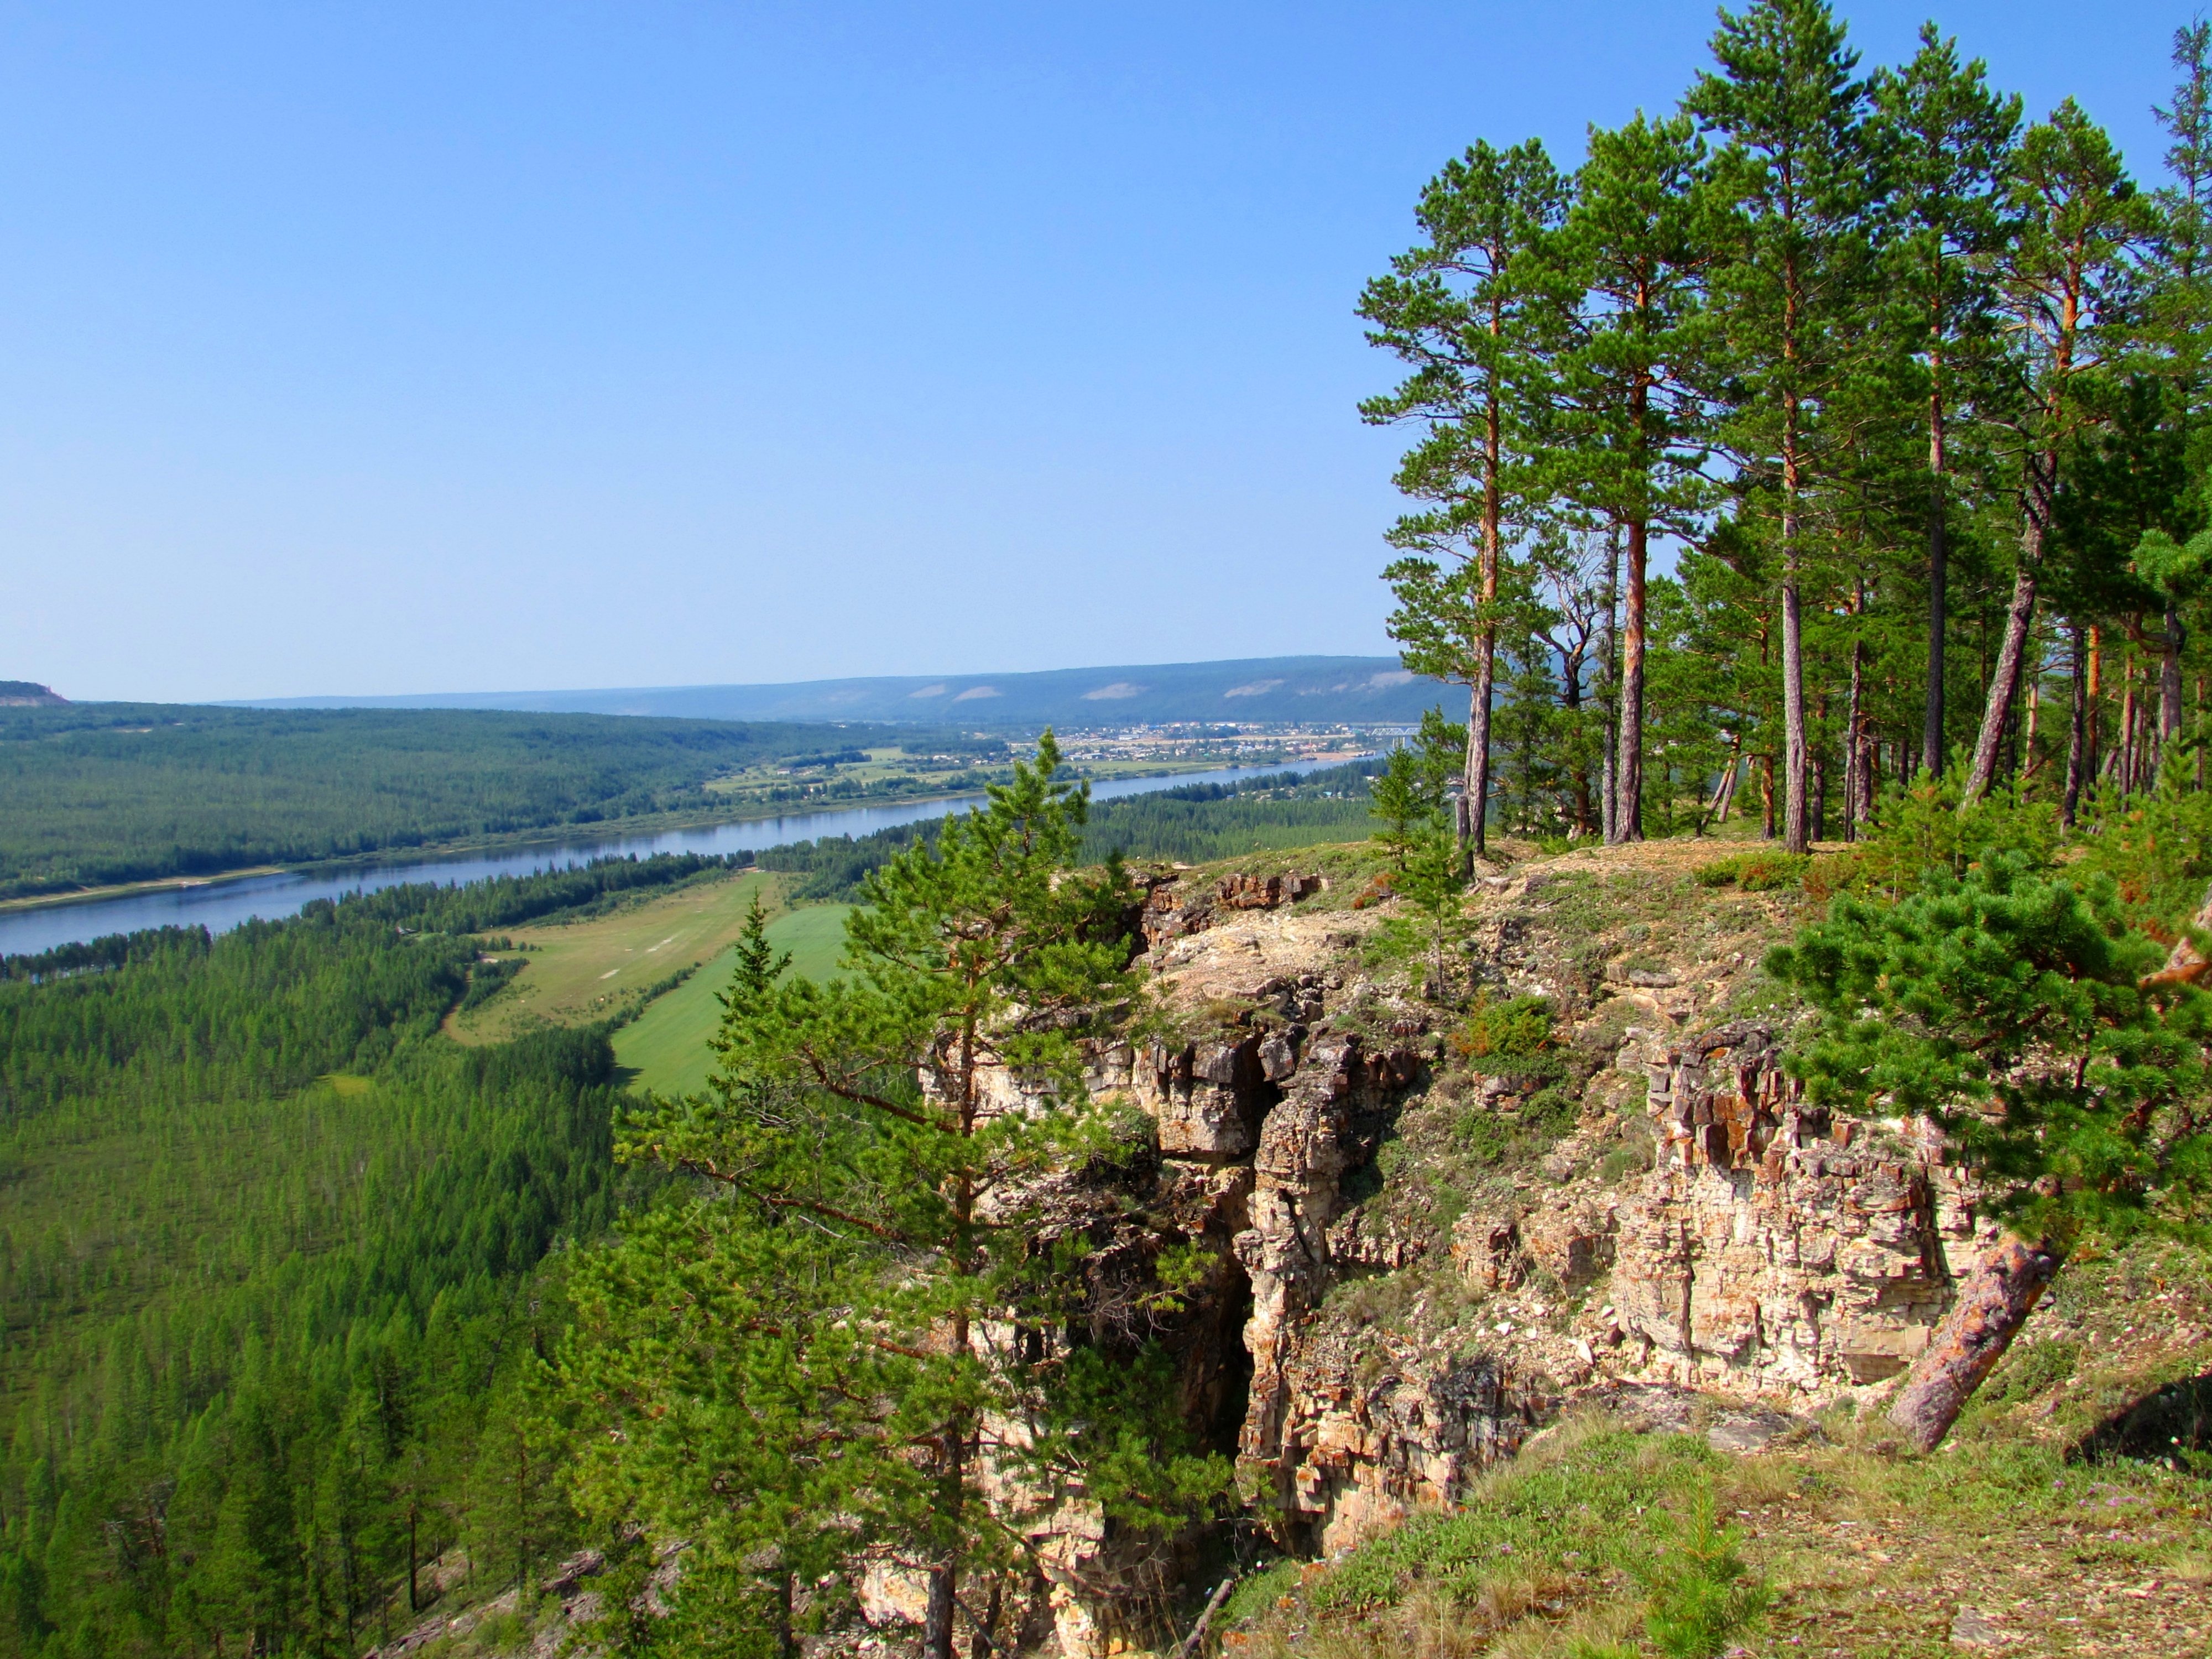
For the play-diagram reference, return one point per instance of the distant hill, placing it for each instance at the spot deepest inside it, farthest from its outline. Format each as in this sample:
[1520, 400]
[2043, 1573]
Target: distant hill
[28, 694]
[1319, 689]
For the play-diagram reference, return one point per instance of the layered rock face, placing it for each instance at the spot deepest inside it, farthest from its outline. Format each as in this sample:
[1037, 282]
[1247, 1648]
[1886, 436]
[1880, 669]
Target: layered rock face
[1368, 1346]
[1771, 1248]
[1326, 1125]
[1257, 1118]
[1761, 1250]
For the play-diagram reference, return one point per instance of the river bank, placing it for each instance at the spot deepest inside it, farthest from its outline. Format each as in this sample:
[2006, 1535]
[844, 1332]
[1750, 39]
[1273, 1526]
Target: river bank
[219, 902]
[1120, 774]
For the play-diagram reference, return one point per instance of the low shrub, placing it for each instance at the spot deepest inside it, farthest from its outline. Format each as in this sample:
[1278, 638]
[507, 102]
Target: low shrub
[1700, 1595]
[1761, 870]
[1518, 1029]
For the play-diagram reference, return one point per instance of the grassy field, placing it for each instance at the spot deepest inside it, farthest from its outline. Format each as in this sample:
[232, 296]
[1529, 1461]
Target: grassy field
[583, 970]
[664, 1048]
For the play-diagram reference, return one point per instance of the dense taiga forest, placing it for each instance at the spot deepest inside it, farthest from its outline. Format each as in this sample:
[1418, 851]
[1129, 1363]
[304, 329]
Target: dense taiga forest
[267, 1263]
[264, 1263]
[97, 793]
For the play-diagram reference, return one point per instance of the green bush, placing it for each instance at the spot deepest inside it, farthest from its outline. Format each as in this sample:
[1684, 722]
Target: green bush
[1492, 1138]
[1498, 1032]
[1762, 870]
[1622, 1162]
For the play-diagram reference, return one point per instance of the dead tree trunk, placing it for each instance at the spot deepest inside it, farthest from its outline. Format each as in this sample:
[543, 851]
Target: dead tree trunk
[1993, 1304]
[2020, 618]
[2004, 686]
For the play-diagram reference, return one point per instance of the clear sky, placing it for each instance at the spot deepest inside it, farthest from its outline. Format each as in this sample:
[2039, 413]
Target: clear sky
[355, 348]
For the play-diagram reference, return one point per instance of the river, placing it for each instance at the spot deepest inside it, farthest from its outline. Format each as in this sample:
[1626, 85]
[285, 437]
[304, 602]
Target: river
[220, 904]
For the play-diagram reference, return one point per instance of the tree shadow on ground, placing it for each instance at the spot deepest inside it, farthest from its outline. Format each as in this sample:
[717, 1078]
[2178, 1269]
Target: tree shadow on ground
[2172, 1425]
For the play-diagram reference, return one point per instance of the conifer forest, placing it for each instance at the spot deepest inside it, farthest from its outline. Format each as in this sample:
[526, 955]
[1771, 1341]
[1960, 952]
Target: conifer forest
[1910, 381]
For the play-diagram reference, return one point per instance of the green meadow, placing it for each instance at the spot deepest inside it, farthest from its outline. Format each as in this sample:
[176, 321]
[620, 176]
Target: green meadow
[664, 1048]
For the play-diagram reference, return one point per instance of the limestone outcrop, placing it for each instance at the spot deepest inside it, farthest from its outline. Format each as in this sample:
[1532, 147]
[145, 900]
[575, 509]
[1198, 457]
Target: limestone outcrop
[1754, 1249]
[1416, 1259]
[1772, 1247]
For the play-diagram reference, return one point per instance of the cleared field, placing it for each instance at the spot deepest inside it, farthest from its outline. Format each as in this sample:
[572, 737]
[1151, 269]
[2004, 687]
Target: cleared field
[584, 970]
[814, 936]
[664, 1048]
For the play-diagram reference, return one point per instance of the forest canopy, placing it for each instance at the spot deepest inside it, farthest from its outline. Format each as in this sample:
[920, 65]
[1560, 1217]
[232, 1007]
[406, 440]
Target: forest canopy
[1910, 379]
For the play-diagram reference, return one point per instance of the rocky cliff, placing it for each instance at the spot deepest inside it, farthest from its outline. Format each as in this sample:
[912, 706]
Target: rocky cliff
[1418, 1252]
[1438, 1252]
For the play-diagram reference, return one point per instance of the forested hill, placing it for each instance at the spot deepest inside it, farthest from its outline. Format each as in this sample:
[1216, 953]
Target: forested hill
[269, 1252]
[98, 792]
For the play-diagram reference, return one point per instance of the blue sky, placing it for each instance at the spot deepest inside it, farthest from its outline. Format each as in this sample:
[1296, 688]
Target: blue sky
[359, 348]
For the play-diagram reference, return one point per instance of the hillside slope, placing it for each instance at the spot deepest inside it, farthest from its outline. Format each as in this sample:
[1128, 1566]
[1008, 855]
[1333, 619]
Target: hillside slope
[1538, 1308]
[1610, 1215]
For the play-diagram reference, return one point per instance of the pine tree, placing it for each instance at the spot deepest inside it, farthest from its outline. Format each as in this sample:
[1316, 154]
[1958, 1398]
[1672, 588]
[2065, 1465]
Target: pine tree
[1627, 429]
[1947, 139]
[1411, 795]
[1463, 310]
[2180, 306]
[832, 1359]
[1801, 169]
[2016, 1008]
[2061, 281]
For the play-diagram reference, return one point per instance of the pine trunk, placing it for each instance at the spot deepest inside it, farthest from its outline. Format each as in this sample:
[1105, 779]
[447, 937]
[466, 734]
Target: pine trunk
[1476, 807]
[2004, 677]
[1939, 560]
[2077, 732]
[1610, 694]
[1854, 743]
[2127, 771]
[937, 1621]
[1816, 810]
[1628, 770]
[1795, 837]
[1485, 668]
[1992, 1305]
[2169, 681]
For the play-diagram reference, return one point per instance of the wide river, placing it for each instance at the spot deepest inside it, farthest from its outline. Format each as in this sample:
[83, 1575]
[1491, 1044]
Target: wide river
[218, 904]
